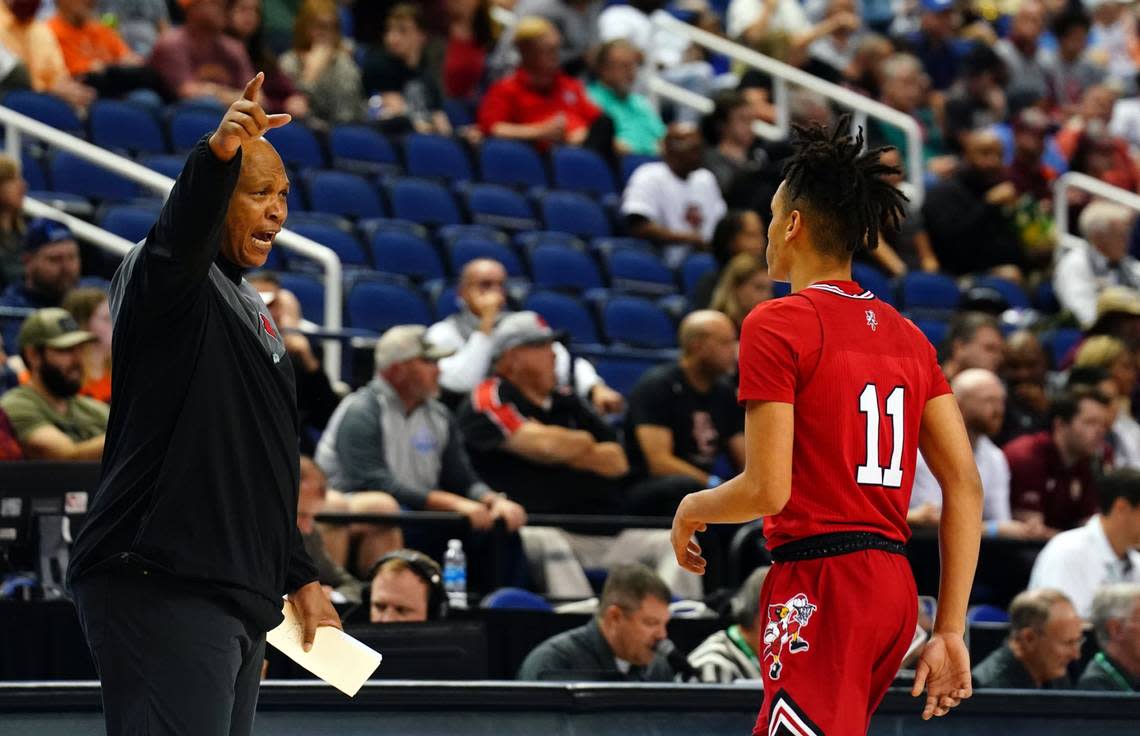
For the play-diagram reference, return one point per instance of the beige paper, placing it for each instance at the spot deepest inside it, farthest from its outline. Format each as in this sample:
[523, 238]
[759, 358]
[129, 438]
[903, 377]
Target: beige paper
[337, 658]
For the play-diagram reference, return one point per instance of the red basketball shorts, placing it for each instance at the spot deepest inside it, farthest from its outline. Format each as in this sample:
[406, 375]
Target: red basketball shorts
[834, 632]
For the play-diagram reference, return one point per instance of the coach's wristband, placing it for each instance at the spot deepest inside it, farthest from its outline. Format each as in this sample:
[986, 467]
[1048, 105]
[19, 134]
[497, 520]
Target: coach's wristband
[714, 481]
[992, 528]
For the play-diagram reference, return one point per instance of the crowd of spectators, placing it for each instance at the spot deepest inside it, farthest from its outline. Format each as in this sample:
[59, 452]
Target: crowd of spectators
[490, 414]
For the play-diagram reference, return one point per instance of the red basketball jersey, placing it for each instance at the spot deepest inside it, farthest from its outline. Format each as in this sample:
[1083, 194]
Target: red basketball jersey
[859, 375]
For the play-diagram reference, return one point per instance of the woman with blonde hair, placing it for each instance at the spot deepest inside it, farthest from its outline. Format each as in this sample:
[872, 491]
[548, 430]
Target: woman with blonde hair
[91, 310]
[321, 64]
[743, 284]
[1112, 356]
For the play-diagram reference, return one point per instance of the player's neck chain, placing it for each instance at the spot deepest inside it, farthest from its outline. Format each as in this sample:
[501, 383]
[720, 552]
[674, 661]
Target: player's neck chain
[738, 639]
[1114, 674]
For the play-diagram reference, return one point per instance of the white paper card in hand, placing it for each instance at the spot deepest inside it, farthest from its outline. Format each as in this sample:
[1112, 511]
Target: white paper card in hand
[337, 658]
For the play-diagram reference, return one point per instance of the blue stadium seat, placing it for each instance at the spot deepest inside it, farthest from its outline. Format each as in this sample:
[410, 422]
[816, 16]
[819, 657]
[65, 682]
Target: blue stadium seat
[342, 241]
[436, 156]
[582, 170]
[511, 163]
[297, 145]
[1045, 298]
[873, 280]
[47, 109]
[405, 254]
[1013, 294]
[425, 202]
[188, 124]
[693, 269]
[33, 171]
[564, 313]
[464, 250]
[310, 292]
[622, 374]
[169, 165]
[934, 329]
[560, 267]
[516, 599]
[605, 246]
[527, 241]
[130, 221]
[344, 194]
[929, 291]
[1059, 342]
[362, 144]
[73, 175]
[629, 164]
[451, 233]
[378, 305]
[984, 613]
[637, 270]
[445, 302]
[125, 126]
[498, 206]
[460, 113]
[638, 322]
[570, 212]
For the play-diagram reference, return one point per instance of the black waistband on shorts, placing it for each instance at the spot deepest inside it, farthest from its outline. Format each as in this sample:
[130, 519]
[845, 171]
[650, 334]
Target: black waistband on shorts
[837, 543]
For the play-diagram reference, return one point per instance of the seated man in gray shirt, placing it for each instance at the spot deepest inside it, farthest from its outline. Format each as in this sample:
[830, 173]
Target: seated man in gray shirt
[394, 436]
[619, 643]
[1045, 637]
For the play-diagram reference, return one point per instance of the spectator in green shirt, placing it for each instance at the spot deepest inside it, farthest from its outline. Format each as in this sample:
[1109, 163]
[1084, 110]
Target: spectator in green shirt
[50, 419]
[638, 126]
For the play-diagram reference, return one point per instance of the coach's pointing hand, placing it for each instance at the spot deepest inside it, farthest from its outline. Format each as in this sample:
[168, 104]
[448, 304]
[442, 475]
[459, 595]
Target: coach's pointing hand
[244, 121]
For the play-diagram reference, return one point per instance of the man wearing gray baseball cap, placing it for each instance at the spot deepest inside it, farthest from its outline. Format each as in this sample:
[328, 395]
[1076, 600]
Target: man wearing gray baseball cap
[392, 444]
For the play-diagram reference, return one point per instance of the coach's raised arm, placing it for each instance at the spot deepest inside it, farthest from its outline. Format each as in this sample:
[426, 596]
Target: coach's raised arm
[191, 539]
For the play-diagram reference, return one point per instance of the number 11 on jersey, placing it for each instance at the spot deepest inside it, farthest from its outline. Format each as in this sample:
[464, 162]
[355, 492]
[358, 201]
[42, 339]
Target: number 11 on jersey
[872, 473]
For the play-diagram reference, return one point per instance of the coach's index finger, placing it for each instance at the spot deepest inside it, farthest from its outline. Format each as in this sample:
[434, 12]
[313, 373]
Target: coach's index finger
[253, 87]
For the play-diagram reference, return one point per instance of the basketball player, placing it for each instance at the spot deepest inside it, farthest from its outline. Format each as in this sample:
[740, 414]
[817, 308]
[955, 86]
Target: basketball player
[841, 391]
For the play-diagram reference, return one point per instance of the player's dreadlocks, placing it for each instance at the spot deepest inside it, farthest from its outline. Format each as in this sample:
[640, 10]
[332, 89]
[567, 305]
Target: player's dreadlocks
[842, 187]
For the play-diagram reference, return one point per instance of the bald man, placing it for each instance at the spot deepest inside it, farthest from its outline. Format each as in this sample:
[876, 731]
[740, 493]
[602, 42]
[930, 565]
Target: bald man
[981, 398]
[674, 201]
[967, 214]
[192, 537]
[482, 294]
[684, 416]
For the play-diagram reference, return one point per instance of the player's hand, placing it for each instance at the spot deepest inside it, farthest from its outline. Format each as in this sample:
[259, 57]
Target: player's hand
[683, 537]
[314, 609]
[244, 121]
[944, 672]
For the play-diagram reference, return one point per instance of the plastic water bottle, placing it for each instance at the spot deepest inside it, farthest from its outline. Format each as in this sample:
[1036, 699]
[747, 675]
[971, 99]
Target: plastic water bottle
[455, 574]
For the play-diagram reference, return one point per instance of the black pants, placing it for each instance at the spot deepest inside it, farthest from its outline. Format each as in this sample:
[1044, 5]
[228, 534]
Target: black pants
[660, 496]
[171, 661]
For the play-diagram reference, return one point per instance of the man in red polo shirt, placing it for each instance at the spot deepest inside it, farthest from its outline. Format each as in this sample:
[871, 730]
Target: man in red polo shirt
[538, 103]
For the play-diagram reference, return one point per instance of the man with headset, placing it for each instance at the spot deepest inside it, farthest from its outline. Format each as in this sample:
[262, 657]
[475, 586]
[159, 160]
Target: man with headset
[406, 586]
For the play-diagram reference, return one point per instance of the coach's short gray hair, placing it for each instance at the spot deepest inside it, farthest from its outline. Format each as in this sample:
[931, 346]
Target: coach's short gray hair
[1112, 602]
[1099, 216]
[745, 605]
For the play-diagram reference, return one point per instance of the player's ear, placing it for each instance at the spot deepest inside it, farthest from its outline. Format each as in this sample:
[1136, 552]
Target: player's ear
[795, 224]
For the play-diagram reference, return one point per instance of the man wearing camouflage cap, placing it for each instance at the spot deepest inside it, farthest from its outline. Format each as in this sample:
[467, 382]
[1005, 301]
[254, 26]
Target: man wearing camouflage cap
[50, 418]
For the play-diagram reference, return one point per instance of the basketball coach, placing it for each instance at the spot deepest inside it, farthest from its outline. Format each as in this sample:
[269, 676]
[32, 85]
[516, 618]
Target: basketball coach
[191, 539]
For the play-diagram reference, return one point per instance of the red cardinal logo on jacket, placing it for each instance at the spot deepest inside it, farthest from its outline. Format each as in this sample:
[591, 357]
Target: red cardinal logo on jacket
[267, 326]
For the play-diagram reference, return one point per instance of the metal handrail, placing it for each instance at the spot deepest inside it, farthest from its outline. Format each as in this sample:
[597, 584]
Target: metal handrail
[17, 125]
[783, 74]
[82, 229]
[1075, 180]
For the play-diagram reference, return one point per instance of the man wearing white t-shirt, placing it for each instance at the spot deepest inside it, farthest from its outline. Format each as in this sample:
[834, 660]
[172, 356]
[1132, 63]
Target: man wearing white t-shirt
[1104, 551]
[981, 398]
[675, 200]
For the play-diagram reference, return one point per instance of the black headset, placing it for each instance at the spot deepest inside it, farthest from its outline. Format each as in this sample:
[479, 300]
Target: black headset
[426, 569]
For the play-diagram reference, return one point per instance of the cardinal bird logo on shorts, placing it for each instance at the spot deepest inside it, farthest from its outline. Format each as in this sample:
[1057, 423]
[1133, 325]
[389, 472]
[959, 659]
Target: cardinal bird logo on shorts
[786, 623]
